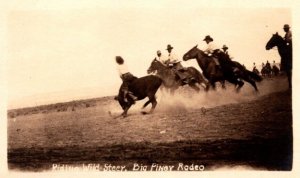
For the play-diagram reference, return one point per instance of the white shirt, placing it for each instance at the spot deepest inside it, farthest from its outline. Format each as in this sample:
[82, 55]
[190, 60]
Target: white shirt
[210, 47]
[122, 69]
[173, 58]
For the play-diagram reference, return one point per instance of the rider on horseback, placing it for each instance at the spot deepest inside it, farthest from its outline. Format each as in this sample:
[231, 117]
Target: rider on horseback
[254, 66]
[254, 69]
[211, 51]
[274, 64]
[161, 58]
[225, 50]
[268, 65]
[229, 59]
[288, 41]
[288, 35]
[234, 67]
[126, 77]
[174, 63]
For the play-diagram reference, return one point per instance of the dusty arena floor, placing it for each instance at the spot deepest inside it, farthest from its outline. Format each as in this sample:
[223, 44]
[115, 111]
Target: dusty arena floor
[219, 129]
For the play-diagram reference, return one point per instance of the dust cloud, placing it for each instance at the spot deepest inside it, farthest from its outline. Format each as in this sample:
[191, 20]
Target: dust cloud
[186, 99]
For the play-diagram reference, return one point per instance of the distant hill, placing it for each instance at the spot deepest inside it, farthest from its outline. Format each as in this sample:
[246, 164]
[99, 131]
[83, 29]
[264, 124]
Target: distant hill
[59, 107]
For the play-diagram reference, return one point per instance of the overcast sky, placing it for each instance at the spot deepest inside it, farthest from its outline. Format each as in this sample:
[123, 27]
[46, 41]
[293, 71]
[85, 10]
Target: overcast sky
[60, 54]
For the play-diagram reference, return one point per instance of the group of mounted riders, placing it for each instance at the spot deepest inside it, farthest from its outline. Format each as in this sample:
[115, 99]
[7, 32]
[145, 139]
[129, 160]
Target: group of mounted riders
[267, 70]
[173, 63]
[219, 61]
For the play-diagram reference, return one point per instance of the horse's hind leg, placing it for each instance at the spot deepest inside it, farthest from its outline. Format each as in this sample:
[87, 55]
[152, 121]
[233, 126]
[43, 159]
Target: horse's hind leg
[154, 103]
[146, 104]
[236, 82]
[240, 85]
[193, 85]
[252, 82]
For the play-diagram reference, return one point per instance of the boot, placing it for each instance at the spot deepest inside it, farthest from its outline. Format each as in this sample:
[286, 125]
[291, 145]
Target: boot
[134, 98]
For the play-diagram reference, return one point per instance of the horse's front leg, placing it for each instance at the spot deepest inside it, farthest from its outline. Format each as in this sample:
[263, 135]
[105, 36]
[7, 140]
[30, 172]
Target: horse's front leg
[223, 84]
[124, 114]
[213, 84]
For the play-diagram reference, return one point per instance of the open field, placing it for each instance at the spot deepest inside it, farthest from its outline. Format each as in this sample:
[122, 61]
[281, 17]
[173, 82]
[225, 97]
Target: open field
[216, 129]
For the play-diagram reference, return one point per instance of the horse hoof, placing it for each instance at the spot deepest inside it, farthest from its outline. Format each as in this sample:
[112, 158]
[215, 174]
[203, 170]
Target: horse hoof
[144, 112]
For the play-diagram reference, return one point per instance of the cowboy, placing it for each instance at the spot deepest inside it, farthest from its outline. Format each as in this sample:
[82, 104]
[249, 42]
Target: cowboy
[210, 50]
[174, 62]
[229, 58]
[274, 64]
[254, 69]
[225, 50]
[161, 58]
[172, 57]
[288, 35]
[268, 65]
[254, 65]
[126, 77]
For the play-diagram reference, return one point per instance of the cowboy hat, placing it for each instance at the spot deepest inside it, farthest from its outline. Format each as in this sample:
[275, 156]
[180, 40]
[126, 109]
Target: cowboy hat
[286, 26]
[208, 38]
[169, 47]
[224, 47]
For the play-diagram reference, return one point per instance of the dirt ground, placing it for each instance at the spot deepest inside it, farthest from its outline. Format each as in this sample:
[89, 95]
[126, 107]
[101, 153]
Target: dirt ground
[219, 129]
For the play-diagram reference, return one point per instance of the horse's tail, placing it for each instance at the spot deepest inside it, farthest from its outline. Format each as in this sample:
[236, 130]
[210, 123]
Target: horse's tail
[254, 76]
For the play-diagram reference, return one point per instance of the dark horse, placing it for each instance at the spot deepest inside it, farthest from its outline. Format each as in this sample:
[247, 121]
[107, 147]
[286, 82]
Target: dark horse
[143, 87]
[285, 53]
[171, 81]
[255, 70]
[275, 70]
[207, 65]
[266, 71]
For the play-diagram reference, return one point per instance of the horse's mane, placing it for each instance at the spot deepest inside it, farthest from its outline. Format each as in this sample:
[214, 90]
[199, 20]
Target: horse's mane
[278, 36]
[196, 47]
